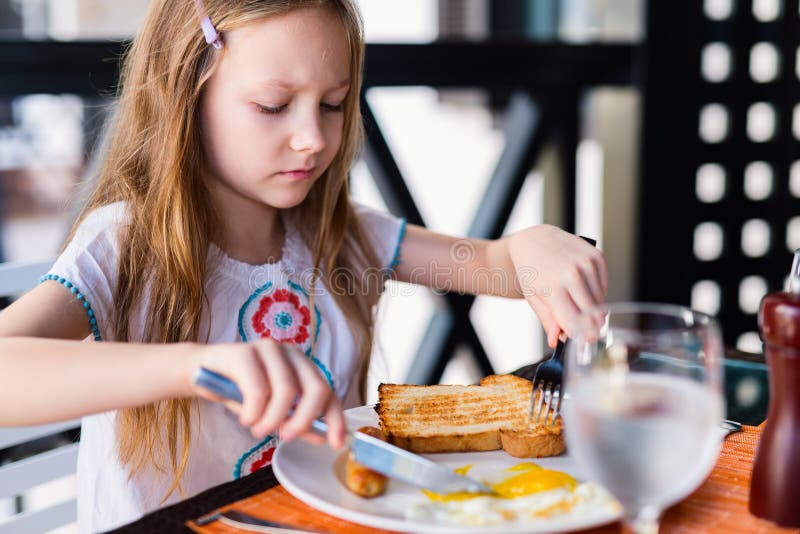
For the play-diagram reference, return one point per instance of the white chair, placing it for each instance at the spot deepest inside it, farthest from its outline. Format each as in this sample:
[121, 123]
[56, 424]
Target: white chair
[18, 277]
[18, 476]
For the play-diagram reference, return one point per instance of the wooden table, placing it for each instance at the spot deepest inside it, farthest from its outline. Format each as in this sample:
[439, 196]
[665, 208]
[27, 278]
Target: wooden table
[718, 506]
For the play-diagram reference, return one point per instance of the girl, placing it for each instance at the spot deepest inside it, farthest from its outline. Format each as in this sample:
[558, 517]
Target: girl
[221, 234]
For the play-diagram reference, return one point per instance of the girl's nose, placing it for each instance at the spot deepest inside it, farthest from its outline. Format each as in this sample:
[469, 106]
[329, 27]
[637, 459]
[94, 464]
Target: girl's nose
[308, 135]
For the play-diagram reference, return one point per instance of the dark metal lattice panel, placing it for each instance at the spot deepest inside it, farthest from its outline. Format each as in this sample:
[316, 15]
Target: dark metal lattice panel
[720, 156]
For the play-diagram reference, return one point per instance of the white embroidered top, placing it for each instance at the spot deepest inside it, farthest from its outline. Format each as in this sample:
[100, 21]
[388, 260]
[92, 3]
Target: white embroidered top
[246, 302]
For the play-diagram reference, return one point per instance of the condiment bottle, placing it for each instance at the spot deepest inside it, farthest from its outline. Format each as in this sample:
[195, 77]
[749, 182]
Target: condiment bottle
[775, 484]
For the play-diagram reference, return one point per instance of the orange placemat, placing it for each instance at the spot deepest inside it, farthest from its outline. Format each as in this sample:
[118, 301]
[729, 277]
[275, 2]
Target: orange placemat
[276, 504]
[719, 506]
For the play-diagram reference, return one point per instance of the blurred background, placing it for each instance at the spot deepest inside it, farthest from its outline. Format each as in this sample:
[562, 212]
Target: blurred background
[667, 132]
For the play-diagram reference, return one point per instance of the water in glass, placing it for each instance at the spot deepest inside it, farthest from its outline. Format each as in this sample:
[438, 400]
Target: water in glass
[645, 405]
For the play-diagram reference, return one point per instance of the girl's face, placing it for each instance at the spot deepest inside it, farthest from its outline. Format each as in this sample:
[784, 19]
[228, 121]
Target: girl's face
[271, 114]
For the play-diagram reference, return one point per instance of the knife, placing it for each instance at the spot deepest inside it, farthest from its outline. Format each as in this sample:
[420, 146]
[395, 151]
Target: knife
[245, 521]
[371, 452]
[731, 426]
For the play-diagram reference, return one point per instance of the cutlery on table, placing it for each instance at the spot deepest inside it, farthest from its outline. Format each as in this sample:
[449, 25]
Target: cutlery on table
[245, 521]
[371, 452]
[731, 426]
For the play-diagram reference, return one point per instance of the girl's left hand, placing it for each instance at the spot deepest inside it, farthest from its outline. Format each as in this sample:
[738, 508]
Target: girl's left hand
[560, 275]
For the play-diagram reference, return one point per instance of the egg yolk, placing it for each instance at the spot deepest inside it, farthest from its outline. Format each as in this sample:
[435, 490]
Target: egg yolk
[527, 478]
[463, 470]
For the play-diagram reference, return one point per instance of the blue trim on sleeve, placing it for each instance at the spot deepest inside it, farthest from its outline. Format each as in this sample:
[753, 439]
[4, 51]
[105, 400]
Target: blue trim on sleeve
[401, 235]
[81, 298]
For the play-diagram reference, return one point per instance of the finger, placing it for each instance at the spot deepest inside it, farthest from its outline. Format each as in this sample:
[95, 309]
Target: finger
[235, 407]
[546, 318]
[594, 282]
[334, 417]
[601, 266]
[600, 315]
[596, 273]
[283, 388]
[590, 318]
[564, 311]
[553, 335]
[256, 398]
[311, 437]
[314, 396]
[579, 288]
[249, 376]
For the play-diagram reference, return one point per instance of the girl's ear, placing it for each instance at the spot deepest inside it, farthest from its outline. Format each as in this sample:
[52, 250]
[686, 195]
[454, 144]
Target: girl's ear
[212, 35]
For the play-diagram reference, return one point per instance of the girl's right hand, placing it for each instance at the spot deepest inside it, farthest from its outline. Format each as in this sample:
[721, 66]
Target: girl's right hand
[271, 376]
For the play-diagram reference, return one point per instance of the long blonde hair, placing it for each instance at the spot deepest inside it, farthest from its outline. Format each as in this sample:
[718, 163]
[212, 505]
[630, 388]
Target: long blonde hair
[155, 165]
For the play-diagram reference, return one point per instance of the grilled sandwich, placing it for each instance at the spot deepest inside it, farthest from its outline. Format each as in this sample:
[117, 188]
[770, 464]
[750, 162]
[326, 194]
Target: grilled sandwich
[447, 418]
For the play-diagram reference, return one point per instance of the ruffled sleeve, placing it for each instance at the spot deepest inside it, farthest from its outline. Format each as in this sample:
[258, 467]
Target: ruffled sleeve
[88, 266]
[385, 232]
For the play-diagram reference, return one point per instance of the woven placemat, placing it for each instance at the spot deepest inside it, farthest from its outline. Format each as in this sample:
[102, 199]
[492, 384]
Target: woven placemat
[277, 504]
[720, 504]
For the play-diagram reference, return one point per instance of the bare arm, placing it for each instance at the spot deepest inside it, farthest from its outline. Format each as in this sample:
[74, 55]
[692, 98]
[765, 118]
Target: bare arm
[45, 380]
[556, 272]
[48, 374]
[466, 265]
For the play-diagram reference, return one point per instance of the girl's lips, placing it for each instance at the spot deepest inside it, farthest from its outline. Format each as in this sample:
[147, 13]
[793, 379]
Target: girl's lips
[298, 174]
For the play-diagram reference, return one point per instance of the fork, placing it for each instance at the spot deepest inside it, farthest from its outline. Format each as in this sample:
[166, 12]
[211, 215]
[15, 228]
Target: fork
[546, 390]
[547, 381]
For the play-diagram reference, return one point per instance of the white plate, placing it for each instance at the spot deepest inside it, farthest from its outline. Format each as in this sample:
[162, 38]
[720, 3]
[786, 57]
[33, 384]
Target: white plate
[307, 472]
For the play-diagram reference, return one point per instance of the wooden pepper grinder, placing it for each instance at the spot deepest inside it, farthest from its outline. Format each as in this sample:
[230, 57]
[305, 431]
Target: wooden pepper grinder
[775, 485]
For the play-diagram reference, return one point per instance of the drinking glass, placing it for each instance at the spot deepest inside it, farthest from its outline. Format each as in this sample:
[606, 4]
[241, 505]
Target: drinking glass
[644, 403]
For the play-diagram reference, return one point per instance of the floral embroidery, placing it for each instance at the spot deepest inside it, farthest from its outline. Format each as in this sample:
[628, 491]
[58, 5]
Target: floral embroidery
[264, 460]
[279, 313]
[256, 458]
[282, 314]
[282, 317]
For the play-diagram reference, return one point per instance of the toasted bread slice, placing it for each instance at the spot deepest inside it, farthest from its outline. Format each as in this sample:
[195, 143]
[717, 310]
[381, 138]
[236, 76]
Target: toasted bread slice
[446, 418]
[534, 441]
[442, 418]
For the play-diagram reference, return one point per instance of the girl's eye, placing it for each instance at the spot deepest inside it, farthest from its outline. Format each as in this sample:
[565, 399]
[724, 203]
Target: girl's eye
[270, 110]
[274, 110]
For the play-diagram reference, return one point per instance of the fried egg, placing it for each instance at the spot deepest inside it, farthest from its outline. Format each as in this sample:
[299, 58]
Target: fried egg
[525, 492]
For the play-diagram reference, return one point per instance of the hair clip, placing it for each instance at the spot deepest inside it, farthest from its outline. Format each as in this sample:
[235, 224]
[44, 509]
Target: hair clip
[210, 32]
